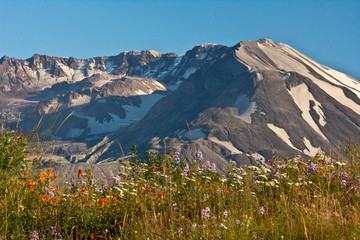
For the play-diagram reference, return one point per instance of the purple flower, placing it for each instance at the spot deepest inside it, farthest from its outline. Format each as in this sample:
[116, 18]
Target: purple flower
[51, 194]
[177, 158]
[345, 176]
[237, 221]
[58, 236]
[334, 174]
[192, 189]
[312, 167]
[297, 169]
[53, 229]
[208, 164]
[225, 214]
[34, 235]
[213, 167]
[180, 232]
[199, 156]
[218, 191]
[205, 213]
[261, 211]
[118, 179]
[344, 183]
[186, 169]
[206, 196]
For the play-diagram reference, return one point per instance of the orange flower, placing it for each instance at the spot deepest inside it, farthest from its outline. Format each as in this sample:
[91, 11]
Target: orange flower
[163, 168]
[44, 197]
[115, 200]
[41, 177]
[83, 190]
[31, 186]
[56, 176]
[80, 173]
[102, 202]
[162, 195]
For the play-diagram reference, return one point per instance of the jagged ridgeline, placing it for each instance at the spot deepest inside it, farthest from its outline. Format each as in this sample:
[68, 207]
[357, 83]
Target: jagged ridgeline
[244, 103]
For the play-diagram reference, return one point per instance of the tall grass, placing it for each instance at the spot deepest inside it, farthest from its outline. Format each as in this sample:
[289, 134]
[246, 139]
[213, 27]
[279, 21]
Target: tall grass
[165, 197]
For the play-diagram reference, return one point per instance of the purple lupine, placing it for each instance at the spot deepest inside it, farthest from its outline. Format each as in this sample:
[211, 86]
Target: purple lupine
[118, 179]
[207, 164]
[53, 229]
[205, 213]
[334, 174]
[213, 167]
[34, 235]
[297, 169]
[199, 156]
[225, 214]
[177, 158]
[218, 191]
[344, 183]
[262, 211]
[312, 167]
[51, 194]
[180, 232]
[186, 169]
[345, 176]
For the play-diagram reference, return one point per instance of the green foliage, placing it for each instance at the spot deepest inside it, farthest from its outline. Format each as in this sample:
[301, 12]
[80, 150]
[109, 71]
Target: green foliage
[12, 150]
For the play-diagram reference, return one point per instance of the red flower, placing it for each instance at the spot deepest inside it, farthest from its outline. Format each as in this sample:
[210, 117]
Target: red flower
[153, 168]
[102, 202]
[271, 162]
[80, 173]
[92, 235]
[162, 195]
[163, 168]
[83, 190]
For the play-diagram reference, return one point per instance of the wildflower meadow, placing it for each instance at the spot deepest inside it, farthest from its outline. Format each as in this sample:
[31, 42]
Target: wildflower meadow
[165, 197]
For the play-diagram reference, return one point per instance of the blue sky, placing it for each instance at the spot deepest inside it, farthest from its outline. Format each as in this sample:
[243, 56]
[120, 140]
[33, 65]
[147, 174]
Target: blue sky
[326, 30]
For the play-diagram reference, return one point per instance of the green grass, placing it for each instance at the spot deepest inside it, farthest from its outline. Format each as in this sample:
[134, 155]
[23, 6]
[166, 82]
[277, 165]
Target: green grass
[155, 198]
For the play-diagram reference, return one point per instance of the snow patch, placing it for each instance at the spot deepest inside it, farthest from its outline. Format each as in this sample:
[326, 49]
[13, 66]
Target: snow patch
[310, 150]
[83, 99]
[302, 98]
[97, 127]
[134, 113]
[189, 71]
[245, 108]
[228, 145]
[282, 134]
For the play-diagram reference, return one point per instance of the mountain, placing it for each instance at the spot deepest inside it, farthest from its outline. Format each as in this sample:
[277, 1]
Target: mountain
[244, 103]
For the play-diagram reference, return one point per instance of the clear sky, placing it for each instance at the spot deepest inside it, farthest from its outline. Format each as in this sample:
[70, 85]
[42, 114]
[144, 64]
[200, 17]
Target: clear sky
[328, 31]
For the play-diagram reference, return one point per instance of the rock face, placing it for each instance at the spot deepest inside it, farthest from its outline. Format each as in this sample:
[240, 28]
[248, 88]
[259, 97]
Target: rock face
[240, 103]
